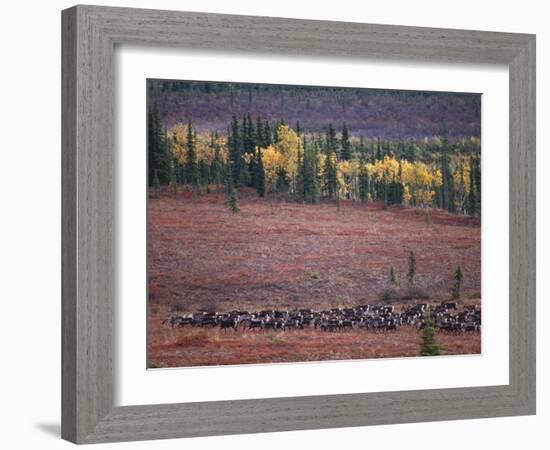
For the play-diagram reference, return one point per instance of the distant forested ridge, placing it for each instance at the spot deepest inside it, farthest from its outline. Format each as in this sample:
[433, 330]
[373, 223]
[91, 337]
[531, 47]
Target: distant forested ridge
[367, 112]
[320, 156]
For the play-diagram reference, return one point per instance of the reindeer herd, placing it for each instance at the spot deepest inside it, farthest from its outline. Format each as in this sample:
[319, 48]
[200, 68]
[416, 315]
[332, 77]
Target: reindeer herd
[447, 317]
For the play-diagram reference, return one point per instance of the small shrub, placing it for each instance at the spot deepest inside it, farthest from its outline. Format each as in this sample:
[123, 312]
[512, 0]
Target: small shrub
[338, 302]
[178, 307]
[193, 337]
[208, 307]
[392, 275]
[276, 340]
[416, 292]
[385, 296]
[156, 183]
[427, 217]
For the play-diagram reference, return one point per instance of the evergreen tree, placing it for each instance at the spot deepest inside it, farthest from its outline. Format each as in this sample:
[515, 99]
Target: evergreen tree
[218, 164]
[362, 148]
[331, 141]
[266, 136]
[330, 175]
[179, 168]
[156, 182]
[309, 173]
[311, 180]
[411, 154]
[400, 189]
[457, 282]
[173, 179]
[231, 199]
[429, 346]
[249, 146]
[234, 145]
[159, 157]
[363, 182]
[276, 130]
[412, 267]
[248, 134]
[472, 194]
[260, 174]
[346, 146]
[392, 275]
[151, 148]
[477, 184]
[259, 133]
[191, 166]
[167, 164]
[447, 187]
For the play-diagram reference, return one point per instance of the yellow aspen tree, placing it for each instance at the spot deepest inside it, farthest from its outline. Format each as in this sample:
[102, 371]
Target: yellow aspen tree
[273, 162]
[289, 146]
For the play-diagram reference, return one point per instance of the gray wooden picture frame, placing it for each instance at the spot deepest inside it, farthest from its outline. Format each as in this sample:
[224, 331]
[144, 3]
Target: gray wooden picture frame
[90, 34]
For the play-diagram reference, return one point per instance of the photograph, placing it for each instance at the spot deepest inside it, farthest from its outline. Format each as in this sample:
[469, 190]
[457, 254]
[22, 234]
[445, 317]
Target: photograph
[250, 225]
[311, 223]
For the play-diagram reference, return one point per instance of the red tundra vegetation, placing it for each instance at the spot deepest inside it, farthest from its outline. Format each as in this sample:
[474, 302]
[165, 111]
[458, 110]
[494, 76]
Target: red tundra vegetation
[277, 254]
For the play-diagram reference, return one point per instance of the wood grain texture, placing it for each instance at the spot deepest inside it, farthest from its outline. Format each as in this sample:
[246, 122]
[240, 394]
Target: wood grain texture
[68, 225]
[89, 36]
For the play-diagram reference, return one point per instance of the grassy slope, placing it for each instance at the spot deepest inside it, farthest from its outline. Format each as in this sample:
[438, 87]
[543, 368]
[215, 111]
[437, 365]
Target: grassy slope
[284, 255]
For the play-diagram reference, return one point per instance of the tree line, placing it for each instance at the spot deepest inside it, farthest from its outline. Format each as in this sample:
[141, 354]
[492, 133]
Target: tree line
[277, 159]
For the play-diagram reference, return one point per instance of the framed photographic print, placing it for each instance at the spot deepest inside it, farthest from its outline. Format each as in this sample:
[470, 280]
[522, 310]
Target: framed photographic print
[335, 219]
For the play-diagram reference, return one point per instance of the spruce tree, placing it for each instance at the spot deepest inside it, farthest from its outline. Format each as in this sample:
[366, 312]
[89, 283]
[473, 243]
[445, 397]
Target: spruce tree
[429, 346]
[472, 194]
[179, 168]
[259, 133]
[447, 187]
[300, 186]
[311, 180]
[218, 161]
[231, 199]
[362, 148]
[412, 267]
[457, 282]
[234, 145]
[392, 275]
[363, 182]
[331, 141]
[477, 184]
[249, 146]
[156, 182]
[191, 166]
[411, 152]
[260, 174]
[167, 165]
[267, 136]
[399, 188]
[330, 175]
[151, 150]
[346, 146]
[159, 158]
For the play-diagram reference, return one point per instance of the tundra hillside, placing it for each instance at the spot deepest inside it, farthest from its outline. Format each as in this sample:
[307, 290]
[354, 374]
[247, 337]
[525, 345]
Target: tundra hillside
[271, 241]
